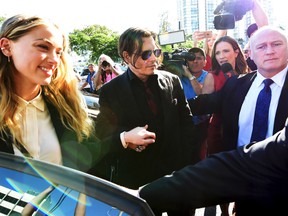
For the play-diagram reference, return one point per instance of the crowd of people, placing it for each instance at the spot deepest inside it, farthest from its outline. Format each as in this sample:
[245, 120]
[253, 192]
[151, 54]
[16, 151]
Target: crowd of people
[107, 70]
[184, 141]
[253, 176]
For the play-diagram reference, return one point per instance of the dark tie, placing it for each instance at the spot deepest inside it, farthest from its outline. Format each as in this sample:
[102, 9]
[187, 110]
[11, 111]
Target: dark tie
[260, 124]
[150, 99]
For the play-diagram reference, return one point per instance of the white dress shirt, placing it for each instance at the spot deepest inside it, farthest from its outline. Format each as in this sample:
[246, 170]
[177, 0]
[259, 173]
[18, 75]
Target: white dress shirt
[246, 115]
[37, 131]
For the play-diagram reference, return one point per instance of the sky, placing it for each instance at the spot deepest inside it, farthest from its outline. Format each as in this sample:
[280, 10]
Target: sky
[117, 15]
[281, 13]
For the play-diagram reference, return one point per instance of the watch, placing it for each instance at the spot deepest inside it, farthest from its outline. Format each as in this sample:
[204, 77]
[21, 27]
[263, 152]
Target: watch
[192, 77]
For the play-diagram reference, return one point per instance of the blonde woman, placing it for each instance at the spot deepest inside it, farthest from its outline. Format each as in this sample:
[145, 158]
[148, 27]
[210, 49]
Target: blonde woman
[43, 114]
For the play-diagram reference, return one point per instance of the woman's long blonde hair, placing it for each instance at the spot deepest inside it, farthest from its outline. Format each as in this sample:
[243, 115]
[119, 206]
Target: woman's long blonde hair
[62, 92]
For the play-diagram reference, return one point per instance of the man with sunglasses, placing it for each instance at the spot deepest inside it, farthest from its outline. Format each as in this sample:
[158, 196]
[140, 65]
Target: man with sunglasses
[147, 142]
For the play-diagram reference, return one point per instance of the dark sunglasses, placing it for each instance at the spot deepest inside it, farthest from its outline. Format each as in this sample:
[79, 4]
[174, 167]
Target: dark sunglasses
[147, 53]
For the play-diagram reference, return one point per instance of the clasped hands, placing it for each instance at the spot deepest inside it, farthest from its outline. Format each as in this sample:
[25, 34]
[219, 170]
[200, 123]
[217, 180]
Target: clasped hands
[139, 138]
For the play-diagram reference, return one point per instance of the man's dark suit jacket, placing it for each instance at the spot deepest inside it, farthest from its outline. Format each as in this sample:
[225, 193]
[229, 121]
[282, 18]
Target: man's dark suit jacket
[256, 173]
[75, 155]
[228, 102]
[120, 112]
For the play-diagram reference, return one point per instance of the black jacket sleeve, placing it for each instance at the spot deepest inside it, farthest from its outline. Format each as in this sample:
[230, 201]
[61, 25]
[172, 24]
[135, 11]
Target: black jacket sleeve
[257, 171]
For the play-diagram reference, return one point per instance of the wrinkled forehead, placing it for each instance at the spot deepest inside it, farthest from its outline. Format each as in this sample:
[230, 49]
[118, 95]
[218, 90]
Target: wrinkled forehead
[267, 35]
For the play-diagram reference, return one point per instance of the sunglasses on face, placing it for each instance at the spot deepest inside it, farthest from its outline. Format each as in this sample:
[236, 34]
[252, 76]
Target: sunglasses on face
[147, 53]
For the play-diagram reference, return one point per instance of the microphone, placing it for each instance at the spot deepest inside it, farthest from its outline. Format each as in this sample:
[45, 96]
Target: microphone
[227, 69]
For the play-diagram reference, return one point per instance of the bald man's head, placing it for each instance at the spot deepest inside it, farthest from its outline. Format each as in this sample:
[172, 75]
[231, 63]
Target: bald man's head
[269, 50]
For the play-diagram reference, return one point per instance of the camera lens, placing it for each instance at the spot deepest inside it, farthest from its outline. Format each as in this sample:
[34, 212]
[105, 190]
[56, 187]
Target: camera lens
[105, 63]
[190, 57]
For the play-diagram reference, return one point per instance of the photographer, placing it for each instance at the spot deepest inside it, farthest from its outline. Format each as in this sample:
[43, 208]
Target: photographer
[107, 70]
[192, 80]
[189, 67]
[194, 75]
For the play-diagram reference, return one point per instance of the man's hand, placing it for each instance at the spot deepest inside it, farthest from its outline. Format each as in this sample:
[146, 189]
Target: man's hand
[139, 136]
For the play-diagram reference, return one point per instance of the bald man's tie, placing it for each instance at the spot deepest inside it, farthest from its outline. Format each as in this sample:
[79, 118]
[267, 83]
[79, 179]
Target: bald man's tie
[260, 124]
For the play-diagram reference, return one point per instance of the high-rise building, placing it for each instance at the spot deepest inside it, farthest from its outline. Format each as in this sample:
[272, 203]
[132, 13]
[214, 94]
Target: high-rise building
[199, 15]
[196, 14]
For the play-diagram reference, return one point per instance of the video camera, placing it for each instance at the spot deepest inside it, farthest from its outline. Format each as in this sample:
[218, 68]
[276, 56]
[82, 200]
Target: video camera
[174, 61]
[229, 11]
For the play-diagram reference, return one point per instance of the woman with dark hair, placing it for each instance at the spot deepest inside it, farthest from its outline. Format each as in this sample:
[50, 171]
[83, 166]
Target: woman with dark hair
[225, 50]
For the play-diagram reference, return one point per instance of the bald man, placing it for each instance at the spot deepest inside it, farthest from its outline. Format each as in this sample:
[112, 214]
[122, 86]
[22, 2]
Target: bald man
[255, 176]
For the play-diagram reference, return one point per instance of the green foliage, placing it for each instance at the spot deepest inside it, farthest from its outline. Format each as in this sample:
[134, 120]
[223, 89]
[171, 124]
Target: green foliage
[164, 25]
[201, 44]
[2, 20]
[186, 45]
[93, 41]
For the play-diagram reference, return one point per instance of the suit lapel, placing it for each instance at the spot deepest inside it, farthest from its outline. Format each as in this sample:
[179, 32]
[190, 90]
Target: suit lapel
[169, 102]
[164, 87]
[282, 108]
[242, 88]
[125, 93]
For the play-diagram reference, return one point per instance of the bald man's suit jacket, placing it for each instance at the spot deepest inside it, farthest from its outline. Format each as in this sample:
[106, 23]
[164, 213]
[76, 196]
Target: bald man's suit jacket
[228, 102]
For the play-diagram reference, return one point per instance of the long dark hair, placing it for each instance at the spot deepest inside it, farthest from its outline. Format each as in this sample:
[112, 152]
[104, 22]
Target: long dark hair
[104, 75]
[240, 63]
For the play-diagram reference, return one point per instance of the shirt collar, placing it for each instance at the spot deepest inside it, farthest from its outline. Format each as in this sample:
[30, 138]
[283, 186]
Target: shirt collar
[132, 76]
[278, 79]
[38, 101]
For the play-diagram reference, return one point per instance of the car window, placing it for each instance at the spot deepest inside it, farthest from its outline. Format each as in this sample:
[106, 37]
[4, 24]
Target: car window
[31, 187]
[33, 195]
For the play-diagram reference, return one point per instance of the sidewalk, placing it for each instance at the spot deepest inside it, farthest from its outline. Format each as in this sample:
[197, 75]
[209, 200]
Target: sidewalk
[210, 211]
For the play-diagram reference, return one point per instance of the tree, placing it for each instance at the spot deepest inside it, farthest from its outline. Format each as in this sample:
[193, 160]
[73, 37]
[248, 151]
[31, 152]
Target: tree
[164, 25]
[93, 41]
[2, 20]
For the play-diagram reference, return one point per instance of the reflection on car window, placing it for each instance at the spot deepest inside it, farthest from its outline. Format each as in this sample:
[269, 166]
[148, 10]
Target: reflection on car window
[30, 195]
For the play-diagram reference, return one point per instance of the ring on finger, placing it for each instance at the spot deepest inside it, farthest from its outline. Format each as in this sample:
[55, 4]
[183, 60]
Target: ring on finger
[139, 148]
